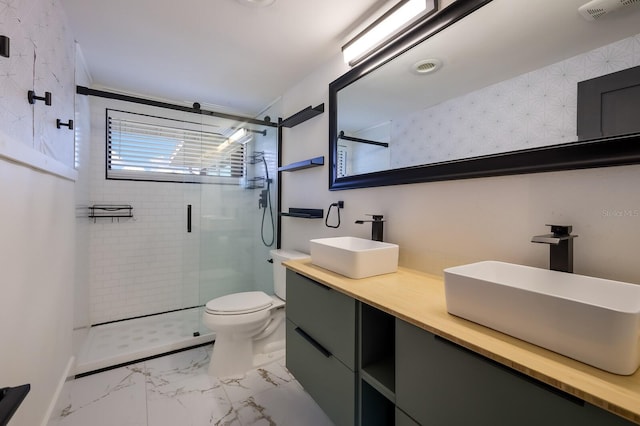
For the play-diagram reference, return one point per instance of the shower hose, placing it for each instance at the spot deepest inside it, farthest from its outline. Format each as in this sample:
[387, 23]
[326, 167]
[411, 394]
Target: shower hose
[264, 212]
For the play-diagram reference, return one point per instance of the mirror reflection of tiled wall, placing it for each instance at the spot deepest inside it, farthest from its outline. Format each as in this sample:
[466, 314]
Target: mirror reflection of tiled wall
[532, 110]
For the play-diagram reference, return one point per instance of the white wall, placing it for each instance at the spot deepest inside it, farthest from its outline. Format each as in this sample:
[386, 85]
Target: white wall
[36, 306]
[37, 227]
[42, 59]
[448, 223]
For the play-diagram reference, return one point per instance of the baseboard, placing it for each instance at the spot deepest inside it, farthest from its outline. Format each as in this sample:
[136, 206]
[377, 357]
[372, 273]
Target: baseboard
[56, 396]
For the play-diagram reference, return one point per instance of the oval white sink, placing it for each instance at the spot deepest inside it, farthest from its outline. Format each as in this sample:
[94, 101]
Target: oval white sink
[589, 319]
[354, 257]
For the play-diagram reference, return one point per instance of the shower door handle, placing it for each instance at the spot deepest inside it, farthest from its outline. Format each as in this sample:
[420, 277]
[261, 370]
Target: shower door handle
[188, 217]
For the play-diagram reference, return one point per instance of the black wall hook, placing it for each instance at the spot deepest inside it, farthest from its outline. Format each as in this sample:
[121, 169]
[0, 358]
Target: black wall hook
[4, 46]
[68, 124]
[31, 96]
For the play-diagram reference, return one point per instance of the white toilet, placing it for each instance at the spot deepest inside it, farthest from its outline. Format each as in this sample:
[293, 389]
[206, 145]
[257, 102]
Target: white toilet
[249, 326]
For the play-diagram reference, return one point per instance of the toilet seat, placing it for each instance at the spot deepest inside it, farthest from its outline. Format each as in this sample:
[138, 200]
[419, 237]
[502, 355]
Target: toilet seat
[239, 303]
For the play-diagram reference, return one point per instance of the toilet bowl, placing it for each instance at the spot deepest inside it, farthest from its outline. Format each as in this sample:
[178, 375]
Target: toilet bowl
[249, 326]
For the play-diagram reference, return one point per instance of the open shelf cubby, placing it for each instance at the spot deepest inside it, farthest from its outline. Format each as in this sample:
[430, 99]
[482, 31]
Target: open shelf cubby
[377, 350]
[376, 409]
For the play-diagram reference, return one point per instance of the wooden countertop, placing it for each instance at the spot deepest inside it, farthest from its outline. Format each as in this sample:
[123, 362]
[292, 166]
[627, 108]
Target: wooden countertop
[418, 298]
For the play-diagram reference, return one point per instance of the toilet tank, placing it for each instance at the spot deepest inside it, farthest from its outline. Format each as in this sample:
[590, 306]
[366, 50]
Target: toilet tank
[279, 271]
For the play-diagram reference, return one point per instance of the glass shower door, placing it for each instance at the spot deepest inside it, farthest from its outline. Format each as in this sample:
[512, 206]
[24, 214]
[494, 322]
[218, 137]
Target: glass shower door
[232, 227]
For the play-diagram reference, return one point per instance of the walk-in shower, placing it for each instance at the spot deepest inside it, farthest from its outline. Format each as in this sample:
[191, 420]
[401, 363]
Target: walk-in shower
[202, 226]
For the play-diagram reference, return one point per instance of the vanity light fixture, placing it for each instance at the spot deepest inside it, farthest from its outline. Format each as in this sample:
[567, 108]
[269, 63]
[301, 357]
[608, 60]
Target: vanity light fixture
[394, 22]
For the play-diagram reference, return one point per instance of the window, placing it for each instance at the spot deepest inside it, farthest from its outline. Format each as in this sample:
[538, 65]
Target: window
[143, 147]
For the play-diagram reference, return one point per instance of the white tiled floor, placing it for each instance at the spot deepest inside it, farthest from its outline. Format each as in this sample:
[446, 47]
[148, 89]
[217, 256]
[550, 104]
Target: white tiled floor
[176, 390]
[124, 341]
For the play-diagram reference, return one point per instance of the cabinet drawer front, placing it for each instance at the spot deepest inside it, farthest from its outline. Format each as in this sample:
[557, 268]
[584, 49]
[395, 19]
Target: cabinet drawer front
[329, 382]
[440, 383]
[326, 315]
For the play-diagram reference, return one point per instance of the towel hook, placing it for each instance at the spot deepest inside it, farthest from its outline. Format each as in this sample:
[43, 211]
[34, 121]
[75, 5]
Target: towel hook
[31, 96]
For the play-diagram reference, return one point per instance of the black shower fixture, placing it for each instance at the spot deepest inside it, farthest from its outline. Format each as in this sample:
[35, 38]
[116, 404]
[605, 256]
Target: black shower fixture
[4, 46]
[31, 96]
[68, 124]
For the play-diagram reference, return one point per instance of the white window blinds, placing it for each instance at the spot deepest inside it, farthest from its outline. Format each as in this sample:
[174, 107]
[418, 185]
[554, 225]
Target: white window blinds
[142, 147]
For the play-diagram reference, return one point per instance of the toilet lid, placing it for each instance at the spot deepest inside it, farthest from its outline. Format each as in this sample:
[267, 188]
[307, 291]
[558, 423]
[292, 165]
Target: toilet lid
[240, 303]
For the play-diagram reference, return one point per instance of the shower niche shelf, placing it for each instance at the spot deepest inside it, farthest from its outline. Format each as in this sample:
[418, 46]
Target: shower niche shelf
[110, 211]
[255, 183]
[301, 165]
[304, 213]
[301, 116]
[256, 157]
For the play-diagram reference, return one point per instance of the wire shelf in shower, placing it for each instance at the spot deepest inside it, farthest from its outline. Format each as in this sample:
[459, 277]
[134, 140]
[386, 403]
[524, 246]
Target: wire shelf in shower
[256, 157]
[255, 183]
[112, 211]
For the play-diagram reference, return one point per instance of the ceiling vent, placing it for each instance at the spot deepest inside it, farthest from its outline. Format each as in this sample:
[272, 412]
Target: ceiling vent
[596, 9]
[427, 66]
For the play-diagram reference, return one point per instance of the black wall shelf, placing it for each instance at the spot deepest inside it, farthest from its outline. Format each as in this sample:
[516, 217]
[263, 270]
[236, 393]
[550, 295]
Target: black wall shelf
[302, 116]
[304, 213]
[342, 136]
[300, 165]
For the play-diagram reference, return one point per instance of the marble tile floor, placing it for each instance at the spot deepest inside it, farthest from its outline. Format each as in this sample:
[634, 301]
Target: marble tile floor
[175, 390]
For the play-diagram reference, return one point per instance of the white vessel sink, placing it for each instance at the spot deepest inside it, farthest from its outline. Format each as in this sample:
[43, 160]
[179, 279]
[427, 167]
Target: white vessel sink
[592, 320]
[354, 257]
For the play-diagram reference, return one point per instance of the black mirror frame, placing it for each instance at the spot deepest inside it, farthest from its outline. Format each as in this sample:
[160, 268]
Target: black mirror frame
[602, 152]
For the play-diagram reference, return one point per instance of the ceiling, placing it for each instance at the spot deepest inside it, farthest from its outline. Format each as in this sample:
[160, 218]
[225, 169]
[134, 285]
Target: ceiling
[224, 54]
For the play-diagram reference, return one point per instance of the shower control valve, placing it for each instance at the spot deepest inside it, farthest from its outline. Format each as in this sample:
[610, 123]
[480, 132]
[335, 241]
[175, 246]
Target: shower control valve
[264, 199]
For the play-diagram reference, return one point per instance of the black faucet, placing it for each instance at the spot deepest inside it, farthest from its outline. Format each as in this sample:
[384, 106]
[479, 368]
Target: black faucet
[376, 226]
[560, 247]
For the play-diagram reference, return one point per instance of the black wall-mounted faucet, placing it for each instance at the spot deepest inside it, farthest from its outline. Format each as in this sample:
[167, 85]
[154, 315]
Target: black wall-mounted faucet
[377, 229]
[560, 247]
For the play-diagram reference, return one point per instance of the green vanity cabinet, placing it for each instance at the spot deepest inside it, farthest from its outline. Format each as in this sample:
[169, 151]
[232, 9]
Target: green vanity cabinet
[321, 345]
[366, 367]
[441, 383]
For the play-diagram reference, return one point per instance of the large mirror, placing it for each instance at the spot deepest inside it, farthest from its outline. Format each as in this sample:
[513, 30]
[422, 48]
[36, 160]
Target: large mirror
[483, 88]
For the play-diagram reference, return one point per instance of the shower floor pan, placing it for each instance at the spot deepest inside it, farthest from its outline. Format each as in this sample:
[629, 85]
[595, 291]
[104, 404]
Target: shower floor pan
[126, 341]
